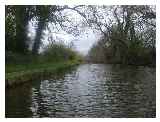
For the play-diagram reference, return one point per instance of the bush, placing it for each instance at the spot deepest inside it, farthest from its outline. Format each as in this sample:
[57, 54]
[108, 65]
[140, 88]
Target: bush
[16, 58]
[58, 52]
[52, 53]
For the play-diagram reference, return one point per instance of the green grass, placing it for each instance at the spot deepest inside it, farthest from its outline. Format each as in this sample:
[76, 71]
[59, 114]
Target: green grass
[21, 73]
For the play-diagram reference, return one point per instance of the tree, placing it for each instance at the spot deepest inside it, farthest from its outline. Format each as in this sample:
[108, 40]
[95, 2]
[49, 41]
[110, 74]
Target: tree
[17, 18]
[124, 34]
[48, 14]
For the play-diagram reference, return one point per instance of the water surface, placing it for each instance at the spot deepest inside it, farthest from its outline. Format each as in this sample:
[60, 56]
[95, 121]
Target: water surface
[89, 90]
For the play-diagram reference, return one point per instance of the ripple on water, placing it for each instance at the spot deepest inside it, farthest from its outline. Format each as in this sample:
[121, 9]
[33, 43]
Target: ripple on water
[90, 90]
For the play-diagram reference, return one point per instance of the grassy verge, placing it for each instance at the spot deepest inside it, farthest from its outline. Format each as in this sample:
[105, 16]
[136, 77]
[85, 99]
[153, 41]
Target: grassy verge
[16, 74]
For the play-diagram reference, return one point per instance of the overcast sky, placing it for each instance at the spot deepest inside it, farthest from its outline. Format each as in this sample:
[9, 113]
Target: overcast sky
[82, 43]
[86, 37]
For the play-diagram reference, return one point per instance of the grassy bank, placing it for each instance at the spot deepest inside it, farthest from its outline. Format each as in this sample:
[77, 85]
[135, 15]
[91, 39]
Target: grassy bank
[17, 74]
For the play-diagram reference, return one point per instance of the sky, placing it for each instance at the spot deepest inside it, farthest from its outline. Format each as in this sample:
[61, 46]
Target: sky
[82, 43]
[85, 42]
[87, 37]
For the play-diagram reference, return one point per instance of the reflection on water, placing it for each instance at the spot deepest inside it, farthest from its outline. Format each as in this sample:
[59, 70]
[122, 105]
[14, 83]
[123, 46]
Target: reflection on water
[90, 90]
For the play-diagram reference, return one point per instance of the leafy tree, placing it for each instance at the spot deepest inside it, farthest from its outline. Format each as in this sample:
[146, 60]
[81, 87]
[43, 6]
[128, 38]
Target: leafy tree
[17, 18]
[127, 34]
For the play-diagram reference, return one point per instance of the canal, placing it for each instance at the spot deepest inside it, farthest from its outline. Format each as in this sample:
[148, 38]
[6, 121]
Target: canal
[88, 90]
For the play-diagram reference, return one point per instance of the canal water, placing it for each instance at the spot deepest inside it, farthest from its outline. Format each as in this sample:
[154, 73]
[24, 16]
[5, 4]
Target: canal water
[88, 90]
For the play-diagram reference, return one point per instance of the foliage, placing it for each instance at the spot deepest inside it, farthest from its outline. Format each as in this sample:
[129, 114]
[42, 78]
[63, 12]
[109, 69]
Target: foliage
[16, 22]
[18, 17]
[58, 52]
[130, 39]
[128, 32]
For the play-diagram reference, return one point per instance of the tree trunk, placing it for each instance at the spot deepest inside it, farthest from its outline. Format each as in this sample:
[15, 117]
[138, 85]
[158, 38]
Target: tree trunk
[21, 26]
